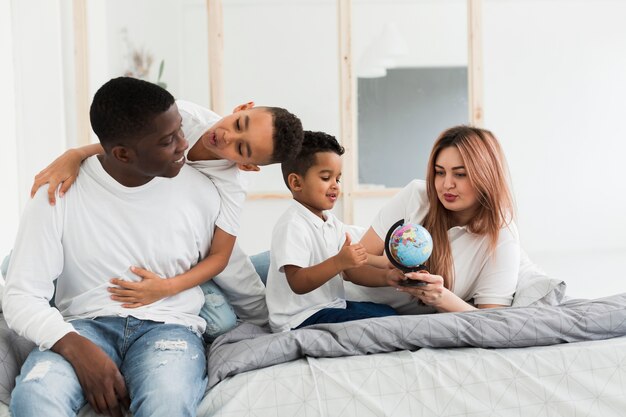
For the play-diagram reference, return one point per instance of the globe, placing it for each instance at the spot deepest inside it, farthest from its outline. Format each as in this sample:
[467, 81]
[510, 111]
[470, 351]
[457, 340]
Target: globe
[409, 245]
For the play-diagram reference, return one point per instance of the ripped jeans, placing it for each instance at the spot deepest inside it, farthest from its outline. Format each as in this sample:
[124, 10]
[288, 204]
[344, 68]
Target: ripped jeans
[216, 311]
[164, 366]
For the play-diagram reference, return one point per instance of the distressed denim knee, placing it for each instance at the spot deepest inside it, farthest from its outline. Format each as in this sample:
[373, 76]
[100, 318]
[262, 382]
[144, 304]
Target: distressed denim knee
[216, 311]
[47, 386]
[165, 372]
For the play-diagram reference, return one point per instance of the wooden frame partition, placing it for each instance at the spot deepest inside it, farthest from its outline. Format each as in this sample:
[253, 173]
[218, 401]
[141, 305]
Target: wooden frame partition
[81, 71]
[347, 99]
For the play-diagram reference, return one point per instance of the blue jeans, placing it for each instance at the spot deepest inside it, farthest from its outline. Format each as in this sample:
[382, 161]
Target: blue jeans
[355, 310]
[216, 311]
[164, 366]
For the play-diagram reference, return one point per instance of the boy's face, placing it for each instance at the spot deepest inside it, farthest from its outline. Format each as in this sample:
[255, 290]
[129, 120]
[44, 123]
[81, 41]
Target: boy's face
[319, 189]
[244, 137]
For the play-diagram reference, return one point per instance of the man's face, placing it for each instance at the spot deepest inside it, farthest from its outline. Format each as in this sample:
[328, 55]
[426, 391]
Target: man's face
[244, 137]
[160, 151]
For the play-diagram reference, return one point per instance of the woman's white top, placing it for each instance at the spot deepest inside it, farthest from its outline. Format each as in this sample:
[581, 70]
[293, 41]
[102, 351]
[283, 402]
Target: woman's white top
[481, 276]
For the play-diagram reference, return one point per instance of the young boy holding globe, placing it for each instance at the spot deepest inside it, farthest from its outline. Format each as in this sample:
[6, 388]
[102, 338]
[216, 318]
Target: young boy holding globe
[221, 148]
[311, 248]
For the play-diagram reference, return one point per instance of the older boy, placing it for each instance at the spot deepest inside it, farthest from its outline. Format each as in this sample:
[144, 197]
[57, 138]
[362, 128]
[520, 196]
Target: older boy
[311, 248]
[136, 204]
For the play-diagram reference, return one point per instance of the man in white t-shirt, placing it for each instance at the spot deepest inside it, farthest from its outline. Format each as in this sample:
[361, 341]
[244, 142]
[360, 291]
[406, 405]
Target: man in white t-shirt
[138, 204]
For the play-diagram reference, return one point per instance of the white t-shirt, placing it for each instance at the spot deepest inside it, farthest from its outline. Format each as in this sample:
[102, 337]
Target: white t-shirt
[96, 232]
[302, 239]
[231, 182]
[481, 276]
[239, 280]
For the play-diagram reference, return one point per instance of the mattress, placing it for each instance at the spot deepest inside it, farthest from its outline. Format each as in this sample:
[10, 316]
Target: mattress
[574, 379]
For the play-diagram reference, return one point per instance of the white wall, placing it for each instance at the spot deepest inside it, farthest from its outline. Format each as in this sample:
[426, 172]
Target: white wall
[34, 101]
[280, 53]
[9, 209]
[554, 91]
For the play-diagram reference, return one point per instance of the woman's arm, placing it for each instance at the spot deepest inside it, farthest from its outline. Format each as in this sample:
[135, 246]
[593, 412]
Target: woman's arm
[153, 288]
[64, 170]
[436, 295]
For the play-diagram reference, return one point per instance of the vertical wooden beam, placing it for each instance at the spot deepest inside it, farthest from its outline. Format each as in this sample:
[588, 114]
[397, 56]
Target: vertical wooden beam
[81, 72]
[216, 55]
[347, 108]
[475, 62]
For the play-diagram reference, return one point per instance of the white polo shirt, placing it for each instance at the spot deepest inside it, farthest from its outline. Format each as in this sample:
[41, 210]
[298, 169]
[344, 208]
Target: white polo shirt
[302, 239]
[231, 182]
[239, 280]
[481, 276]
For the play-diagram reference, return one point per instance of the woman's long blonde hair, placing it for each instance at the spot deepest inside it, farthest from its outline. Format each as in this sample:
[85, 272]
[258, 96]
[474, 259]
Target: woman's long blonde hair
[487, 172]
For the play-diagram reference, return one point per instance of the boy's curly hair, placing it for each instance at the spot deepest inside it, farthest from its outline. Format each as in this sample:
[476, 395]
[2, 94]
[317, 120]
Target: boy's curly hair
[313, 143]
[288, 134]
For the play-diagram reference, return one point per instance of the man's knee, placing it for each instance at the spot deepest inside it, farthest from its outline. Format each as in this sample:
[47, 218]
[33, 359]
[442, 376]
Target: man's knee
[49, 384]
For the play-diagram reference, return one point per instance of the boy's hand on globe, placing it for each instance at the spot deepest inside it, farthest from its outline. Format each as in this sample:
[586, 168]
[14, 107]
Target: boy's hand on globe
[351, 256]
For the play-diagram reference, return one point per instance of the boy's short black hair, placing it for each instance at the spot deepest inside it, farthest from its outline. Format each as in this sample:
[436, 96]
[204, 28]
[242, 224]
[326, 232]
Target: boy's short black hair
[288, 134]
[313, 143]
[124, 107]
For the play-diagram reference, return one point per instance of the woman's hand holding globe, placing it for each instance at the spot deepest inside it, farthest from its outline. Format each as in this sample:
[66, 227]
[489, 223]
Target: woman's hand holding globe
[431, 293]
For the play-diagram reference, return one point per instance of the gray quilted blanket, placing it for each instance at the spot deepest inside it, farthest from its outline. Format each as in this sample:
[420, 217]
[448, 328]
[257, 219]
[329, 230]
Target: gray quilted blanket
[250, 347]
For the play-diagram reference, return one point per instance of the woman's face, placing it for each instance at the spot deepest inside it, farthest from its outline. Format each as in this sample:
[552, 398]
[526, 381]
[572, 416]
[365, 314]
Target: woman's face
[453, 186]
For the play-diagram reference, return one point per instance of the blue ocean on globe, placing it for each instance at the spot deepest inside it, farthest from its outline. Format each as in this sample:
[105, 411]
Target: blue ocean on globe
[411, 245]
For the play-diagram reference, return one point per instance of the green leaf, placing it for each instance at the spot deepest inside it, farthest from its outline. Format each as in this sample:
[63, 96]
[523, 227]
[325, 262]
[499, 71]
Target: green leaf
[161, 69]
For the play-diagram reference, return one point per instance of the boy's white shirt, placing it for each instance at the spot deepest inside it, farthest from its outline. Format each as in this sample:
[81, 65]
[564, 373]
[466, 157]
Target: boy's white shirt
[239, 280]
[231, 182]
[302, 239]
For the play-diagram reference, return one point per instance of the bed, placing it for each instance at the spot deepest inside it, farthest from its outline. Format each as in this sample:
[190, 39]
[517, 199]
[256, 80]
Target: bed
[542, 357]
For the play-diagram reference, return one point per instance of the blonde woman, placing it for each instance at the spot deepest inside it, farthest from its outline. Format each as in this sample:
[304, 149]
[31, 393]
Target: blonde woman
[466, 205]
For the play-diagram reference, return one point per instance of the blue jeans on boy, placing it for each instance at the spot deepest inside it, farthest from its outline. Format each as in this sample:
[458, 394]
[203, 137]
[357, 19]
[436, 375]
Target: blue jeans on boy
[164, 366]
[216, 311]
[355, 310]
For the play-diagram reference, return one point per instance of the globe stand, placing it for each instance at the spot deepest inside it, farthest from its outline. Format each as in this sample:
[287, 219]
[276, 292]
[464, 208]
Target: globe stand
[401, 267]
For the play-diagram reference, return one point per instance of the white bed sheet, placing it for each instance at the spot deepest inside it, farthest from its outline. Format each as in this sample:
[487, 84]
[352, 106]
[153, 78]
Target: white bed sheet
[569, 380]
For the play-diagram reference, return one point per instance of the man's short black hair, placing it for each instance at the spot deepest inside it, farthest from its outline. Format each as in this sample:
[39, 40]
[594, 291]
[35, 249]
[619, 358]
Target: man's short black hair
[288, 134]
[125, 107]
[313, 143]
